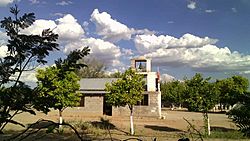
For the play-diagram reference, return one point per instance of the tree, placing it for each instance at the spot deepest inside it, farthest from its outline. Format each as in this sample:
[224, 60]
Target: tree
[58, 84]
[173, 92]
[25, 52]
[126, 91]
[232, 89]
[201, 96]
[116, 75]
[240, 115]
[94, 69]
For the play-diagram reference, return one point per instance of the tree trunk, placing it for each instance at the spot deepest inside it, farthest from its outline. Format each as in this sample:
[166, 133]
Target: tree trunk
[60, 119]
[207, 123]
[180, 106]
[132, 132]
[172, 106]
[208, 126]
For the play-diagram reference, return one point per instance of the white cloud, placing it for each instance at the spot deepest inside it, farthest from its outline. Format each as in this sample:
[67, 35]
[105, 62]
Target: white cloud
[191, 5]
[67, 27]
[4, 3]
[127, 51]
[149, 43]
[207, 58]
[3, 47]
[3, 38]
[234, 10]
[109, 28]
[195, 52]
[3, 51]
[112, 30]
[29, 76]
[209, 11]
[58, 14]
[170, 22]
[63, 3]
[38, 26]
[103, 50]
[167, 78]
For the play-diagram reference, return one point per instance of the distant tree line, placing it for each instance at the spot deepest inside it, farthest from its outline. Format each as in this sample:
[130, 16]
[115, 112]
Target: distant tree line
[201, 94]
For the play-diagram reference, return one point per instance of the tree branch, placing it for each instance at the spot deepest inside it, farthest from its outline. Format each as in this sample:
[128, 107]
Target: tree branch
[52, 123]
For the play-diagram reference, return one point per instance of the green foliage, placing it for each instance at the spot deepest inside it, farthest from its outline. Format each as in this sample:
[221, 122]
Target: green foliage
[240, 115]
[116, 75]
[201, 94]
[173, 92]
[125, 91]
[59, 90]
[232, 89]
[58, 84]
[25, 52]
[226, 135]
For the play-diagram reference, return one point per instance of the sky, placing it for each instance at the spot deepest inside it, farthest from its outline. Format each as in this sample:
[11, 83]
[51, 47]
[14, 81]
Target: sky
[182, 37]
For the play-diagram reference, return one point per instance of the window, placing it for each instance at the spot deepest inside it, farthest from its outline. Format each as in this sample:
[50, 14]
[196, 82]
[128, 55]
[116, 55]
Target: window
[144, 101]
[82, 101]
[140, 65]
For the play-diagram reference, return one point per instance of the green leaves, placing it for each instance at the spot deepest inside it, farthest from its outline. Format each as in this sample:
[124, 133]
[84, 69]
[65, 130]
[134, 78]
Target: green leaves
[58, 84]
[201, 94]
[240, 115]
[71, 62]
[232, 89]
[25, 52]
[173, 92]
[127, 90]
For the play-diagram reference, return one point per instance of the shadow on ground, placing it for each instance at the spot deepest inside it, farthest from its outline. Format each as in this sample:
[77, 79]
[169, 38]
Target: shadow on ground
[103, 124]
[222, 129]
[162, 128]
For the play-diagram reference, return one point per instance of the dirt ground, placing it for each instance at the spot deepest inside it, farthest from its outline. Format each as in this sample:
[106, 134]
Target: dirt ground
[170, 128]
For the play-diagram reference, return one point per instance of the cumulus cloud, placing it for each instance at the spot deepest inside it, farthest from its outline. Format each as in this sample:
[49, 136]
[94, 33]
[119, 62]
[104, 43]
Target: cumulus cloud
[3, 51]
[149, 43]
[112, 30]
[207, 58]
[67, 27]
[195, 52]
[103, 50]
[38, 26]
[191, 5]
[109, 28]
[3, 47]
[5, 2]
[64, 3]
[167, 78]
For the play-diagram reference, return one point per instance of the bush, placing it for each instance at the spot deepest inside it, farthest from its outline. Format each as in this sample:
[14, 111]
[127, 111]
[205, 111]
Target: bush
[240, 115]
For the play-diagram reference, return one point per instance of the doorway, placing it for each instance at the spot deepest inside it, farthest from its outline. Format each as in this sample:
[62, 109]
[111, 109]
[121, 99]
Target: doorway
[107, 109]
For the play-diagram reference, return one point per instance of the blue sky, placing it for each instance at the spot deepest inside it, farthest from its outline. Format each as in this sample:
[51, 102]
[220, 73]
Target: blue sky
[181, 37]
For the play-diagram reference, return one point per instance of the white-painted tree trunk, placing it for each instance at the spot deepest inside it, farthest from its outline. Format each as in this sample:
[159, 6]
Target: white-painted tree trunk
[208, 126]
[131, 122]
[207, 123]
[60, 119]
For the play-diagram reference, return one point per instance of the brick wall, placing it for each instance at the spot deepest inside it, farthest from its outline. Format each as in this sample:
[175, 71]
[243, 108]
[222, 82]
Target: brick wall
[93, 105]
[152, 110]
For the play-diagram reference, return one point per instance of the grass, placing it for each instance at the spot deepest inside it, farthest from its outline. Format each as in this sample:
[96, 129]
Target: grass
[234, 134]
